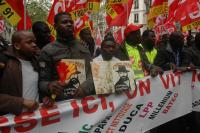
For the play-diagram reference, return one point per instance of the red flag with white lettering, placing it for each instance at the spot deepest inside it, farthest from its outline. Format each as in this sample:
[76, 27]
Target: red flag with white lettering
[77, 8]
[188, 13]
[172, 5]
[82, 23]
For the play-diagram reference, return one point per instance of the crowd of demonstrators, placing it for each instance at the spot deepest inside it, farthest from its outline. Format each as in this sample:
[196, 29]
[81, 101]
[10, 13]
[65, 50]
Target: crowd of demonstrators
[149, 53]
[174, 56]
[131, 47]
[65, 47]
[19, 76]
[26, 79]
[140, 51]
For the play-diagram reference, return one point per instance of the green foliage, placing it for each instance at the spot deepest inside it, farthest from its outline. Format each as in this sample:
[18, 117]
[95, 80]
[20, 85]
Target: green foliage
[38, 9]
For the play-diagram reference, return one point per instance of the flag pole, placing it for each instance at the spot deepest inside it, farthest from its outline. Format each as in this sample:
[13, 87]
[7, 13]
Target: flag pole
[127, 13]
[24, 14]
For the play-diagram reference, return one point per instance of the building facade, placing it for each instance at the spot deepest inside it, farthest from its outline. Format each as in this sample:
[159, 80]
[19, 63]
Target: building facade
[139, 12]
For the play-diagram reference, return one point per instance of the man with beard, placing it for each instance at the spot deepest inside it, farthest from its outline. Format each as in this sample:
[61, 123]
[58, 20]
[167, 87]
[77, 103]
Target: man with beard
[123, 83]
[87, 40]
[65, 47]
[108, 49]
[42, 33]
[19, 76]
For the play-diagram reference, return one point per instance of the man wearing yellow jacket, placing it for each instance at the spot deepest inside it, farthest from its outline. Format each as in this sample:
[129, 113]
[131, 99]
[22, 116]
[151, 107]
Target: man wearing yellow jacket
[140, 58]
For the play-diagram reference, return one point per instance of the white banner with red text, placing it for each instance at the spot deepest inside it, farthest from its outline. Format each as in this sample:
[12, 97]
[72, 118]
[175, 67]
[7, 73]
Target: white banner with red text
[153, 102]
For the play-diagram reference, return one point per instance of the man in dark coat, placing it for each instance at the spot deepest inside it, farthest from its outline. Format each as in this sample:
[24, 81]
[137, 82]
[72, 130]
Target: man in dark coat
[194, 51]
[18, 75]
[65, 47]
[174, 55]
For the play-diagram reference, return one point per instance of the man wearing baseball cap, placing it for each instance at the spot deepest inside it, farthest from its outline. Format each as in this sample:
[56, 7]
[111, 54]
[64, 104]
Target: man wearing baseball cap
[131, 48]
[134, 50]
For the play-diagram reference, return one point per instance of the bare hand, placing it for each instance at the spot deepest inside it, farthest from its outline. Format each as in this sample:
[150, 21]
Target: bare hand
[31, 105]
[48, 102]
[57, 87]
[155, 71]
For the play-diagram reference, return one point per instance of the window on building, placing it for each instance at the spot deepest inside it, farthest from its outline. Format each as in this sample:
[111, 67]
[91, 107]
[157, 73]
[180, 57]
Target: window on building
[136, 4]
[136, 18]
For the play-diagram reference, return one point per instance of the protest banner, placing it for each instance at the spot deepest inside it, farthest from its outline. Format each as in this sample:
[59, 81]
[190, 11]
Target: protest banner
[196, 91]
[153, 102]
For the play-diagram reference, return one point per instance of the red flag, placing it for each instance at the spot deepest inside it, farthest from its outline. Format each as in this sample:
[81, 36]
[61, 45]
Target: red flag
[118, 35]
[72, 6]
[122, 14]
[166, 28]
[56, 7]
[20, 25]
[188, 13]
[93, 5]
[157, 13]
[82, 23]
[98, 39]
[18, 7]
[173, 5]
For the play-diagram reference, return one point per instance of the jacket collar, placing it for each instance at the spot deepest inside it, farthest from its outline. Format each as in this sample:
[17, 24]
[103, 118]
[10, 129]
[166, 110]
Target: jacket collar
[10, 52]
[65, 41]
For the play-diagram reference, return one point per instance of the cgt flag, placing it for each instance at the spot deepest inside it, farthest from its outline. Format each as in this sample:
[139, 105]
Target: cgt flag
[157, 13]
[93, 5]
[83, 22]
[13, 12]
[77, 8]
[188, 13]
[118, 13]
